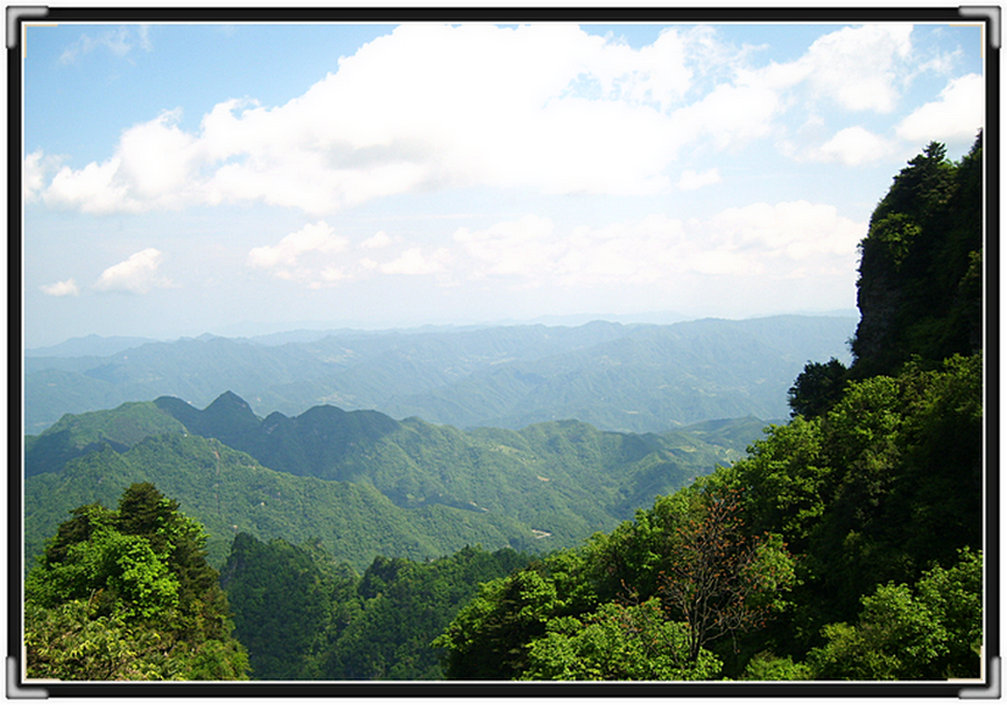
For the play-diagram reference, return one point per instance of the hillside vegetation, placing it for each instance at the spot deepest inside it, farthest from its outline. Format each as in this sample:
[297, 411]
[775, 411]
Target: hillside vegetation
[360, 481]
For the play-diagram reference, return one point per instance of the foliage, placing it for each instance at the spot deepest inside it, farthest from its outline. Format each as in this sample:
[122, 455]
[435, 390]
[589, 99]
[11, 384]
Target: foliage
[229, 492]
[127, 594]
[919, 290]
[721, 580]
[618, 642]
[817, 387]
[934, 630]
[285, 600]
[827, 507]
[75, 436]
[765, 666]
[303, 616]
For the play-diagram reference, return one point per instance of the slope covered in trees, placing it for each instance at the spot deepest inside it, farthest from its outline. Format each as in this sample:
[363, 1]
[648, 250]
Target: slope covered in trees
[362, 482]
[846, 545]
[335, 624]
[229, 492]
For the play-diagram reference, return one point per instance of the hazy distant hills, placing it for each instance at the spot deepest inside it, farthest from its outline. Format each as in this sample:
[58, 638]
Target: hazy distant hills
[361, 481]
[615, 376]
[89, 345]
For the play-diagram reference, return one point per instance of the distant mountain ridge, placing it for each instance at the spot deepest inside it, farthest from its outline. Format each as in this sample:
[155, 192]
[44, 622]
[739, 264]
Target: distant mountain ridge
[89, 345]
[642, 378]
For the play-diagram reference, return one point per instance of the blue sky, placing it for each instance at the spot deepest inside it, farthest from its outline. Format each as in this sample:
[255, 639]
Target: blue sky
[181, 179]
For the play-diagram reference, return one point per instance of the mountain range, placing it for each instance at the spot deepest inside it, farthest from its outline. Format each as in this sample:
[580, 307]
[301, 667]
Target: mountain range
[640, 377]
[362, 482]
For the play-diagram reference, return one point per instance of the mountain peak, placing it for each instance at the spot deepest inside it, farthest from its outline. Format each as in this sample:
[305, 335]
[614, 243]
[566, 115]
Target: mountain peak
[229, 399]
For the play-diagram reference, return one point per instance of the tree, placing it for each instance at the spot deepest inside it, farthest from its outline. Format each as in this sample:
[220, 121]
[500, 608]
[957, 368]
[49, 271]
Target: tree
[931, 632]
[128, 594]
[489, 637]
[817, 387]
[722, 581]
[618, 642]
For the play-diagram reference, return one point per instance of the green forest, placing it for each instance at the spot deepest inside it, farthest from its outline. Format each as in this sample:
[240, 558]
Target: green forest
[843, 544]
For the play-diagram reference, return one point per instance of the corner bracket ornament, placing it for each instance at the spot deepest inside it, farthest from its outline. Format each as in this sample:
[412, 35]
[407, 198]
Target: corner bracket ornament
[992, 689]
[14, 692]
[14, 17]
[984, 12]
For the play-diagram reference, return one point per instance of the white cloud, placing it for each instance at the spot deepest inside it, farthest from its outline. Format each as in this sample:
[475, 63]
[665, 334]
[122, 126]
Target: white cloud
[306, 256]
[137, 274]
[37, 166]
[156, 158]
[63, 288]
[376, 241]
[795, 231]
[510, 248]
[857, 66]
[427, 105]
[955, 116]
[415, 262]
[852, 146]
[435, 106]
[120, 41]
[785, 240]
[692, 180]
[154, 166]
[92, 189]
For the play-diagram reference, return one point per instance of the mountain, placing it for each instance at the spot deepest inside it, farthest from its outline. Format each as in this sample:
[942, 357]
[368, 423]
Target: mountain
[228, 492]
[89, 346]
[649, 377]
[362, 481]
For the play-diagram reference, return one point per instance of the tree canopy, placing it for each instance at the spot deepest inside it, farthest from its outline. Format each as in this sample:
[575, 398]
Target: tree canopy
[127, 594]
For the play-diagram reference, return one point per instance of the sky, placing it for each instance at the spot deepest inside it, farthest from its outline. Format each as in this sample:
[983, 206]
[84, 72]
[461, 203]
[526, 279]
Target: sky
[247, 178]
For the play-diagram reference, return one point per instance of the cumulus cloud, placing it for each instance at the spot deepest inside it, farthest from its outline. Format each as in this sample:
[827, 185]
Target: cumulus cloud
[63, 288]
[137, 274]
[857, 66]
[433, 106]
[852, 146]
[415, 262]
[781, 240]
[378, 240]
[955, 116]
[154, 165]
[37, 166]
[305, 255]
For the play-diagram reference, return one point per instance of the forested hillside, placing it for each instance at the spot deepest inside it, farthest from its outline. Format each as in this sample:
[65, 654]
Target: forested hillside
[362, 482]
[847, 545]
[336, 624]
[651, 378]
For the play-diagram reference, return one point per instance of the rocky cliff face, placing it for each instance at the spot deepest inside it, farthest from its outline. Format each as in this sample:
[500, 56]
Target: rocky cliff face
[920, 289]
